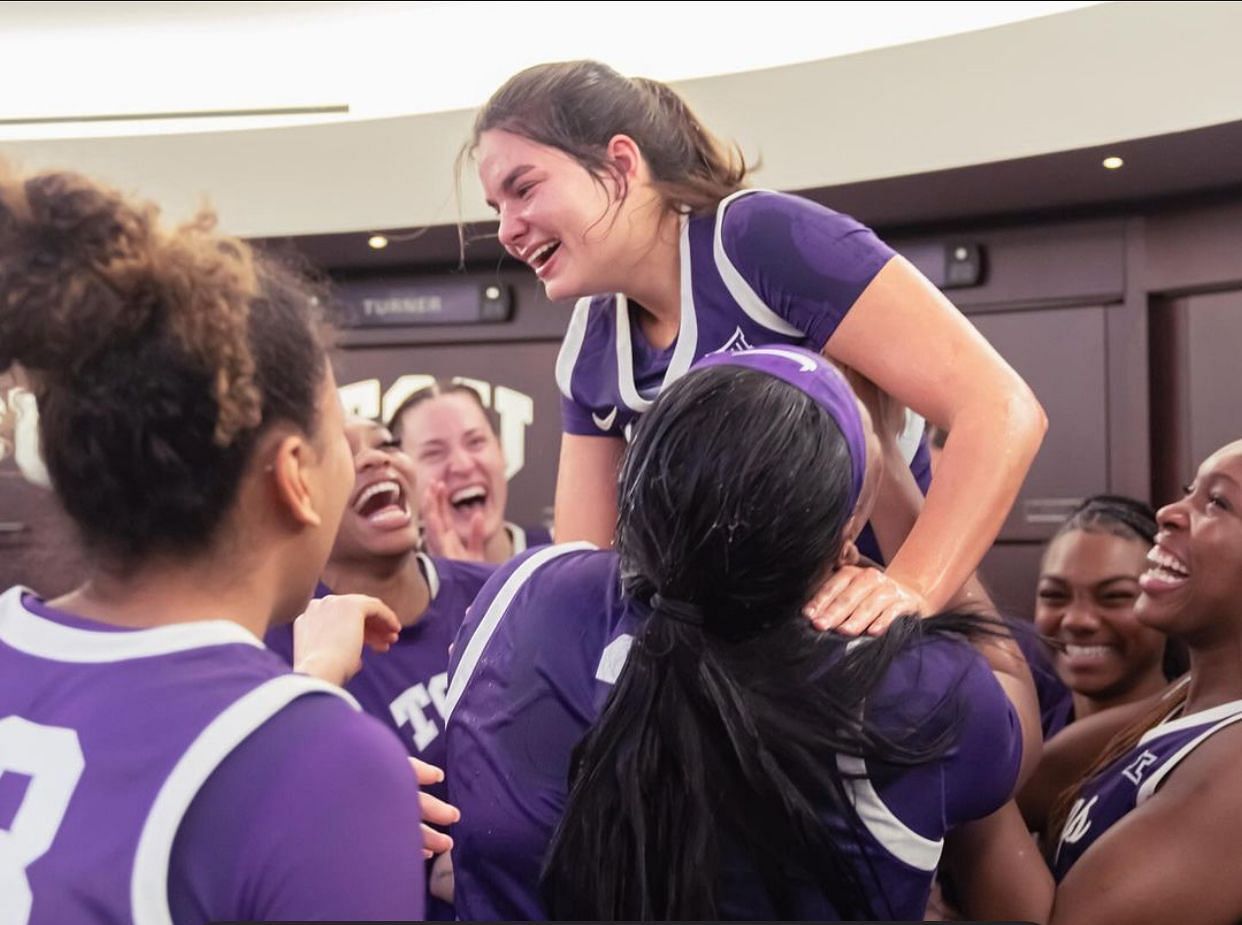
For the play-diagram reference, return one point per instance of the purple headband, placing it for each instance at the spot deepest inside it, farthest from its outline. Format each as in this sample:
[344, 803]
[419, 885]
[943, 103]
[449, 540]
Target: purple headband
[812, 375]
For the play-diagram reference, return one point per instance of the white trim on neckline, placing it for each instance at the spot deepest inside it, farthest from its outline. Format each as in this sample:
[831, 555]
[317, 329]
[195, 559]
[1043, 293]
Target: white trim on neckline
[44, 638]
[687, 334]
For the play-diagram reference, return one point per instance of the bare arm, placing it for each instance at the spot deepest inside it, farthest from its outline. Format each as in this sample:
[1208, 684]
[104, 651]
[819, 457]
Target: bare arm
[997, 870]
[897, 508]
[586, 489]
[1174, 858]
[906, 337]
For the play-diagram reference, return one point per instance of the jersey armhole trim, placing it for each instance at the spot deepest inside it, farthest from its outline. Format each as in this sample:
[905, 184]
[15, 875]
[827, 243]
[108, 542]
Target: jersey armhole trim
[149, 880]
[477, 643]
[1152, 784]
[738, 287]
[897, 838]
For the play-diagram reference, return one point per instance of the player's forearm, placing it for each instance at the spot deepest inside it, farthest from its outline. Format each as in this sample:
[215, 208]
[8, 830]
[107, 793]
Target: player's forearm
[990, 448]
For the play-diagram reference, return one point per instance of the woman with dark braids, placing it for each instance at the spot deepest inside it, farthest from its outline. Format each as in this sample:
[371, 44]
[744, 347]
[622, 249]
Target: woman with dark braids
[175, 770]
[1088, 586]
[728, 760]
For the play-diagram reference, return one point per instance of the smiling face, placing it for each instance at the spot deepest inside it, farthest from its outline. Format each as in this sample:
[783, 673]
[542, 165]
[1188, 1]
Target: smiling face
[1088, 586]
[379, 519]
[449, 439]
[1193, 585]
[569, 227]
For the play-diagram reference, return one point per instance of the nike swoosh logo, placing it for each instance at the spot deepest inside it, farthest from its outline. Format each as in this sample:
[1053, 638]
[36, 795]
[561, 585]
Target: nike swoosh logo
[605, 423]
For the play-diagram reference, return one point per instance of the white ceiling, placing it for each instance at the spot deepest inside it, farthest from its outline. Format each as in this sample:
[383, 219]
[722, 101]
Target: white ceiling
[392, 58]
[1089, 77]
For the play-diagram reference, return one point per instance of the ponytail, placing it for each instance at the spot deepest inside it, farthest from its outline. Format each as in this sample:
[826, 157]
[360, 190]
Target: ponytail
[718, 739]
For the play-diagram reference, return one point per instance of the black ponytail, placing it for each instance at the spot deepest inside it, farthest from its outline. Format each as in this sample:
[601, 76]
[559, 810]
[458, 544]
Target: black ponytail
[720, 733]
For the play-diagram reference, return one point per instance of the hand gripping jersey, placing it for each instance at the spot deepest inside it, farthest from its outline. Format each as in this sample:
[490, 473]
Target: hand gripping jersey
[1134, 777]
[532, 668]
[134, 765]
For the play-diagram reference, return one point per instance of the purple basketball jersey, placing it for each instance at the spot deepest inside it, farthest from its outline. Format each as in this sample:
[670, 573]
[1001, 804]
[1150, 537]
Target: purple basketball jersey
[111, 739]
[518, 705]
[1134, 777]
[768, 268]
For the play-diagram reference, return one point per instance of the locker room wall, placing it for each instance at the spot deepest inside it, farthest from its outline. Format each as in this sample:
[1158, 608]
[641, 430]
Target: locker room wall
[1126, 326]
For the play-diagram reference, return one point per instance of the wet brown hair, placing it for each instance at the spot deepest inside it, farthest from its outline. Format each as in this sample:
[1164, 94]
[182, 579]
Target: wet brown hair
[578, 106]
[156, 356]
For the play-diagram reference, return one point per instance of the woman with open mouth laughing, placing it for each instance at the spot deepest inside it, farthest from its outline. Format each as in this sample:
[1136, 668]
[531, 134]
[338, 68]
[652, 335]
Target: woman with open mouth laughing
[1154, 832]
[615, 195]
[460, 470]
[376, 554]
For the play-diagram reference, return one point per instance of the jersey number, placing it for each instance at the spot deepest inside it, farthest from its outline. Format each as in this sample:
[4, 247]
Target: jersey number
[52, 758]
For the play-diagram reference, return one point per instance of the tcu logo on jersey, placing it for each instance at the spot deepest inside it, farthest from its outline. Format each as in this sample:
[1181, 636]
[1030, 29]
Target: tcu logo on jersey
[516, 409]
[410, 709]
[1134, 771]
[735, 344]
[1078, 824]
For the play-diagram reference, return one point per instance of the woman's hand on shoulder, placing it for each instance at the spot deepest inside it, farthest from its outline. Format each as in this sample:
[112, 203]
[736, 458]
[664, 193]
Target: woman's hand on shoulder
[858, 600]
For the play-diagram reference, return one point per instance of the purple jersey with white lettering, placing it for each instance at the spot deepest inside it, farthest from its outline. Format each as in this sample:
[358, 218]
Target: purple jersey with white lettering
[534, 665]
[767, 268]
[1132, 779]
[183, 774]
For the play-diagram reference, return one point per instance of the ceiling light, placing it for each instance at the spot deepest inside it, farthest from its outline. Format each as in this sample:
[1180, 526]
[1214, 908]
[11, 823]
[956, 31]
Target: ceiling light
[377, 241]
[1113, 163]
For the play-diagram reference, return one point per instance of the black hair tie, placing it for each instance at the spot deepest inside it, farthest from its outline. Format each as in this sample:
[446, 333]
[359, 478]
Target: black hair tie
[681, 611]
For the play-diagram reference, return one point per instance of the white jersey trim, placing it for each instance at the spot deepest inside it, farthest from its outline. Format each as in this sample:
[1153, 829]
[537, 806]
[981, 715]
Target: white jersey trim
[1222, 716]
[738, 287]
[149, 882]
[477, 643]
[517, 537]
[43, 638]
[687, 336]
[1189, 720]
[430, 572]
[897, 838]
[571, 346]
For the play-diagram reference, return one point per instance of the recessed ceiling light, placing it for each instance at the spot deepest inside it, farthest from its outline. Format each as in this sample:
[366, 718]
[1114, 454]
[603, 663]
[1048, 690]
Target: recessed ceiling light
[1113, 163]
[377, 241]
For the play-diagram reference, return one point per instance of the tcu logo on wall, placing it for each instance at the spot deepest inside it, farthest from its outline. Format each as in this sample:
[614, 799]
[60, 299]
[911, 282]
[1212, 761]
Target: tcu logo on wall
[515, 409]
[19, 433]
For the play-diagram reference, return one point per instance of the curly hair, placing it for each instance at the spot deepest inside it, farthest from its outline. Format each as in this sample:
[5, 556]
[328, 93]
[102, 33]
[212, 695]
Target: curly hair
[156, 355]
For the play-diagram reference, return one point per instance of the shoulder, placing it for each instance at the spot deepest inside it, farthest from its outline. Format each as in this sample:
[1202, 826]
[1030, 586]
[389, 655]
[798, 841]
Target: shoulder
[935, 672]
[753, 215]
[563, 574]
[317, 797]
[534, 596]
